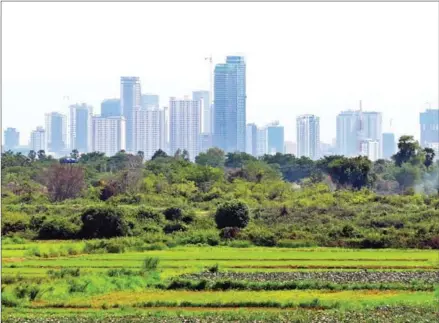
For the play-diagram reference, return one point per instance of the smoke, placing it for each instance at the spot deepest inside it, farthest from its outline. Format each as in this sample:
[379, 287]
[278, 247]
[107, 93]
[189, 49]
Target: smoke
[429, 183]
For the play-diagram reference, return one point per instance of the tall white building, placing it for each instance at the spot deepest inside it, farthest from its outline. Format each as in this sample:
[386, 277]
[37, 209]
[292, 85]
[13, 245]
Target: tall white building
[150, 130]
[38, 140]
[308, 136]
[251, 135]
[370, 149]
[185, 126]
[206, 113]
[130, 100]
[56, 132]
[80, 127]
[108, 134]
[353, 127]
[261, 141]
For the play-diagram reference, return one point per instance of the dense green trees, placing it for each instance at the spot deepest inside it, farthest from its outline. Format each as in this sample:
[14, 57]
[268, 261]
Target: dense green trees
[233, 214]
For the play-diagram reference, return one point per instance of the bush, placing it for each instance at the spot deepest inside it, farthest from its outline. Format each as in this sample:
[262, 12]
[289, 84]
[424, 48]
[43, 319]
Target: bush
[174, 227]
[14, 222]
[103, 222]
[286, 243]
[105, 246]
[229, 233]
[209, 237]
[150, 214]
[58, 228]
[150, 264]
[232, 214]
[65, 272]
[265, 239]
[240, 244]
[173, 214]
[213, 269]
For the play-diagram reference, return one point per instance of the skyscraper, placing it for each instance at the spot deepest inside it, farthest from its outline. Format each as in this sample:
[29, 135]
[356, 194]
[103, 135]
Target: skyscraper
[111, 108]
[150, 101]
[429, 121]
[150, 131]
[389, 145]
[206, 116]
[185, 126]
[80, 127]
[130, 99]
[108, 134]
[370, 148]
[308, 136]
[251, 135]
[261, 141]
[290, 148]
[355, 126]
[38, 140]
[56, 132]
[230, 104]
[275, 138]
[12, 138]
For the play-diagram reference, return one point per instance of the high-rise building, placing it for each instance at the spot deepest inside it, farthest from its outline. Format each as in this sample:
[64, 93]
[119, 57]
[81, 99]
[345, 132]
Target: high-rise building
[206, 141]
[185, 126]
[230, 104]
[56, 132]
[355, 126]
[429, 121]
[261, 141]
[370, 149]
[111, 108]
[150, 131]
[80, 127]
[290, 148]
[12, 138]
[38, 140]
[251, 135]
[275, 138]
[206, 114]
[150, 101]
[108, 134]
[308, 136]
[389, 145]
[130, 99]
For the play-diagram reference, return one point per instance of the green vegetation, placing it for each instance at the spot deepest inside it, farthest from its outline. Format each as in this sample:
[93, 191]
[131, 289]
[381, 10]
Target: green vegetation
[288, 239]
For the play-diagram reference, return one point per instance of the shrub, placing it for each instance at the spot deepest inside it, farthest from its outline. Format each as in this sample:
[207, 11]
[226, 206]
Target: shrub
[65, 272]
[240, 244]
[105, 246]
[173, 214]
[58, 228]
[232, 214]
[173, 227]
[103, 222]
[150, 264]
[229, 233]
[213, 269]
[14, 222]
[148, 213]
[267, 239]
[209, 237]
[286, 243]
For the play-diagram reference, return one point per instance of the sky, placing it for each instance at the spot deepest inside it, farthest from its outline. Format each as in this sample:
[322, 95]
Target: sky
[318, 58]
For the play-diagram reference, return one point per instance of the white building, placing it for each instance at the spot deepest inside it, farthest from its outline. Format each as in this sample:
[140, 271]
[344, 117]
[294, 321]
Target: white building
[290, 148]
[150, 131]
[261, 141]
[370, 149]
[185, 126]
[355, 126]
[308, 136]
[38, 140]
[206, 111]
[108, 134]
[80, 127]
[251, 134]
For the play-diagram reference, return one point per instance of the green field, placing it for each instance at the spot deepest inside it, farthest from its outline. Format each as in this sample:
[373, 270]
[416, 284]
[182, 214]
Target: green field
[406, 278]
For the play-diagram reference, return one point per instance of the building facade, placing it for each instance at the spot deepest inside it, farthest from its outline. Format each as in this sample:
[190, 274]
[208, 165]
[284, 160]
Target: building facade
[12, 138]
[150, 101]
[150, 131]
[353, 127]
[206, 113]
[389, 145]
[111, 108]
[185, 126]
[230, 104]
[275, 138]
[370, 149]
[38, 140]
[108, 134]
[80, 127]
[290, 148]
[308, 136]
[261, 141]
[429, 122]
[56, 132]
[251, 140]
[130, 100]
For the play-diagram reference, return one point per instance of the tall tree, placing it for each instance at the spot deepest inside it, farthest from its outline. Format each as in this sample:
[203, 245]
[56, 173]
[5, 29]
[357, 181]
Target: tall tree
[32, 155]
[408, 151]
[429, 157]
[64, 181]
[41, 155]
[74, 154]
[213, 157]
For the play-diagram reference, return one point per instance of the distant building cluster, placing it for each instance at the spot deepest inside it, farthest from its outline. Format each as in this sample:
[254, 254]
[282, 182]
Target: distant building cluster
[137, 122]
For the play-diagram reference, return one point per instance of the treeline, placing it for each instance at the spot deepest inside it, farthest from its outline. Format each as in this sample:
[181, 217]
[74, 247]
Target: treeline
[276, 200]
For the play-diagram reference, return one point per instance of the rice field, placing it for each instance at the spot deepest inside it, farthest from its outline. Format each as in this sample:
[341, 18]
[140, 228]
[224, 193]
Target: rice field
[217, 283]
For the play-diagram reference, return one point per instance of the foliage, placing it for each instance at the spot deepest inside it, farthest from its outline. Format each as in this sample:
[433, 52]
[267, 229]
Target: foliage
[232, 214]
[103, 222]
[64, 181]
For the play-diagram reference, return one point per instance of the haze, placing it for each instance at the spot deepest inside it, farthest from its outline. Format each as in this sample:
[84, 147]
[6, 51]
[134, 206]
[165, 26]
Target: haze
[318, 58]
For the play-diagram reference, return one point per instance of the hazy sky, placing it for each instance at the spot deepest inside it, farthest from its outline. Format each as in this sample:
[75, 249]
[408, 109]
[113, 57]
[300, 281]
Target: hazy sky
[316, 58]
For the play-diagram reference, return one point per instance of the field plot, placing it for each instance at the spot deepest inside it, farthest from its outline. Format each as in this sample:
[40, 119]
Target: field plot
[199, 281]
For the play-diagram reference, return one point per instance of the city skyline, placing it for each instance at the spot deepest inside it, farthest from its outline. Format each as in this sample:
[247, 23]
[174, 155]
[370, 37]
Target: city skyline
[317, 71]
